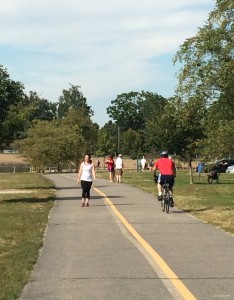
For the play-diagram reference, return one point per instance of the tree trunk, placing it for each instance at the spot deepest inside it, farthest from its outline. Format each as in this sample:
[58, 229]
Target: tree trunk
[191, 171]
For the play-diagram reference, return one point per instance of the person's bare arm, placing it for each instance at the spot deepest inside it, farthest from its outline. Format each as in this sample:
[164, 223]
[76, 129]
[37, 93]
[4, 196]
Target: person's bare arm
[79, 174]
[93, 173]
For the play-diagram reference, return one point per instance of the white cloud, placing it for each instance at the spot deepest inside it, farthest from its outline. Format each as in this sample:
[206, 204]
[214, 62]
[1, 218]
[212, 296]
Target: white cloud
[106, 46]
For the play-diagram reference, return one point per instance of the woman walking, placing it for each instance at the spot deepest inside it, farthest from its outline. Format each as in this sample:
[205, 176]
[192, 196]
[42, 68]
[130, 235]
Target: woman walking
[111, 167]
[85, 177]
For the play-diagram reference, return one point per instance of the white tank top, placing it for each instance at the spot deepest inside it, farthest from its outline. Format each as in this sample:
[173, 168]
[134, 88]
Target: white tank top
[86, 172]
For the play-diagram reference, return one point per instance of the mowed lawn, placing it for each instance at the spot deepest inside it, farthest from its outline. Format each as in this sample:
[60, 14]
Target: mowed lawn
[212, 203]
[23, 219]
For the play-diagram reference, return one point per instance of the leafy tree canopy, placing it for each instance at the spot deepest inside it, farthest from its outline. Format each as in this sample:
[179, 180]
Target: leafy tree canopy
[52, 143]
[130, 110]
[21, 115]
[126, 110]
[107, 139]
[11, 92]
[82, 124]
[219, 142]
[132, 143]
[207, 58]
[206, 83]
[73, 98]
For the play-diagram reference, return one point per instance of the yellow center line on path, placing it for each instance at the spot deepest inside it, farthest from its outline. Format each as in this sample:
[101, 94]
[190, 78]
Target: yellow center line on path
[181, 288]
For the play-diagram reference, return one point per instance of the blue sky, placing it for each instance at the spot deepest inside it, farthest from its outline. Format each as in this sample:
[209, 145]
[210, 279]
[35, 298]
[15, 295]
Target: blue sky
[107, 47]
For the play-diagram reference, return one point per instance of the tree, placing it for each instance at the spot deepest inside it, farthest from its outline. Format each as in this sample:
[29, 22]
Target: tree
[190, 130]
[126, 110]
[133, 112]
[52, 143]
[208, 59]
[107, 139]
[178, 128]
[133, 143]
[40, 108]
[157, 128]
[220, 140]
[21, 115]
[59, 142]
[206, 79]
[73, 98]
[82, 124]
[11, 92]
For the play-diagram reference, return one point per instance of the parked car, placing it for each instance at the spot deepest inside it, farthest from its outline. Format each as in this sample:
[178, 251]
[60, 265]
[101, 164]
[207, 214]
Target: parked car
[230, 169]
[223, 164]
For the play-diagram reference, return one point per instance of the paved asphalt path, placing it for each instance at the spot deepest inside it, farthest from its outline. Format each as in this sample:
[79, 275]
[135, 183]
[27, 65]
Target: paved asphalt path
[124, 247]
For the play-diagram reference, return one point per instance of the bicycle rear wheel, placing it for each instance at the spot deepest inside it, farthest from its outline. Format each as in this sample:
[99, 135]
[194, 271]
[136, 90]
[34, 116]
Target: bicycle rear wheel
[163, 205]
[167, 204]
[163, 200]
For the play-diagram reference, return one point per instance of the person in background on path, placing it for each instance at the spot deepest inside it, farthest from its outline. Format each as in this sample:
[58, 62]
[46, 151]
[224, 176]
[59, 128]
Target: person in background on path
[167, 171]
[98, 164]
[86, 176]
[143, 163]
[151, 164]
[119, 168]
[111, 167]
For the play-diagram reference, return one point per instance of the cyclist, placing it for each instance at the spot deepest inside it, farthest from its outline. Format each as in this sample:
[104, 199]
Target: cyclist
[167, 172]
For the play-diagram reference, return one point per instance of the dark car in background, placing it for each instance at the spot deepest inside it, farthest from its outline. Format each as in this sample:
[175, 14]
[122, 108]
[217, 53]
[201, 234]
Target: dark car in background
[223, 164]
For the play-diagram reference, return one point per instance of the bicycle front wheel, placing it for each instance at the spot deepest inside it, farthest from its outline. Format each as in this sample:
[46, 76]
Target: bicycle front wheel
[167, 203]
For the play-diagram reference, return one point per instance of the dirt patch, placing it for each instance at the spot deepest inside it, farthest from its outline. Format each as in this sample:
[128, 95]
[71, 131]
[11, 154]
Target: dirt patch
[128, 163]
[9, 159]
[14, 159]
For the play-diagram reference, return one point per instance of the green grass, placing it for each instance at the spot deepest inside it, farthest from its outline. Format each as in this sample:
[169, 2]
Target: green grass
[23, 219]
[24, 216]
[212, 203]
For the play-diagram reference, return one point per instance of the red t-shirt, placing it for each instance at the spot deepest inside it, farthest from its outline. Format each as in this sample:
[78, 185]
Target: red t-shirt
[110, 164]
[165, 166]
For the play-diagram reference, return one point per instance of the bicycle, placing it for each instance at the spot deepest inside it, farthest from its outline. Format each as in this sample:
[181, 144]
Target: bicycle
[165, 203]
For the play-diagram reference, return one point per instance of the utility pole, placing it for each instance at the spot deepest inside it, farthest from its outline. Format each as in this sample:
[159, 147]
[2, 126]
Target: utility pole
[118, 139]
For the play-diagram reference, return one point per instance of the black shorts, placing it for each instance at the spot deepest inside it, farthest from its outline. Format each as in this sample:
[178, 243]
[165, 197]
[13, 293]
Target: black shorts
[168, 178]
[86, 186]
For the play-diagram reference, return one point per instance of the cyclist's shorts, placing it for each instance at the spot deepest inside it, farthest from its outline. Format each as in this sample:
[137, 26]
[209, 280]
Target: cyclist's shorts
[168, 178]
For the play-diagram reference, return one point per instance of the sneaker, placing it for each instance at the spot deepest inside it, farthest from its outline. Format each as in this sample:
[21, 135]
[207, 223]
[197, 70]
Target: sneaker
[160, 198]
[171, 202]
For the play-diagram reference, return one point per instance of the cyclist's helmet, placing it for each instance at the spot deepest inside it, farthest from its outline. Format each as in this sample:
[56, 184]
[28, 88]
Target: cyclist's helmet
[164, 154]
